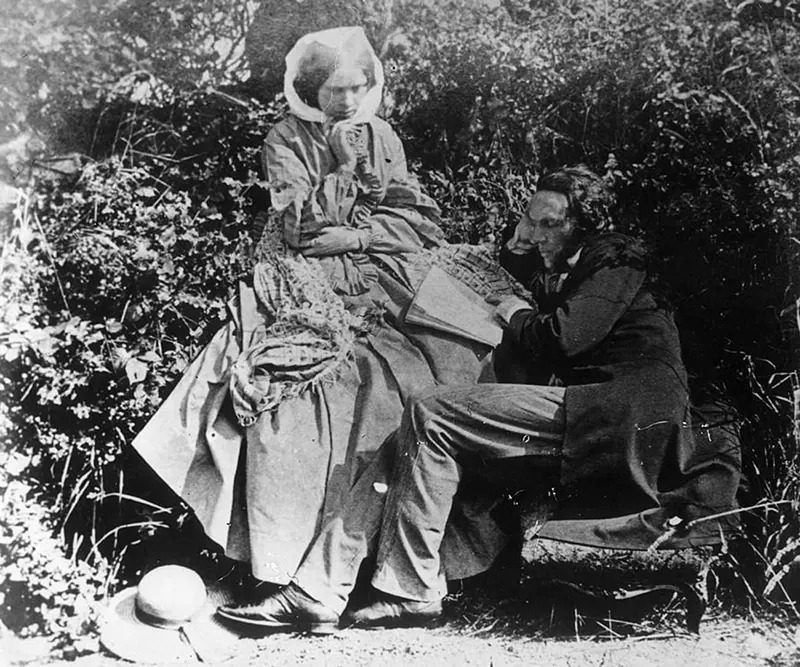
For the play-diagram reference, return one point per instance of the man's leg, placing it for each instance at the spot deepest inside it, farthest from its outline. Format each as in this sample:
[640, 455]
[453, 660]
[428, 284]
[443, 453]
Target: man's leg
[489, 422]
[440, 433]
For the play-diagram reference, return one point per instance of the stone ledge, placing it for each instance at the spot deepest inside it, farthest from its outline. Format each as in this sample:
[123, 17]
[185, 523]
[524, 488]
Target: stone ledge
[608, 579]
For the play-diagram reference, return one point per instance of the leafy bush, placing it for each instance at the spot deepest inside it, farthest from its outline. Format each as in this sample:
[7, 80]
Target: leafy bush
[44, 592]
[112, 283]
[121, 277]
[61, 58]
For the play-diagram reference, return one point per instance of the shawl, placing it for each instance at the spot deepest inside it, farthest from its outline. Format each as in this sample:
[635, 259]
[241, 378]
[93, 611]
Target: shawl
[350, 42]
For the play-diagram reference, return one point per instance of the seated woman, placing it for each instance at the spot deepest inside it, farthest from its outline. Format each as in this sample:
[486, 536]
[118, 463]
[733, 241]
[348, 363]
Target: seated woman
[271, 423]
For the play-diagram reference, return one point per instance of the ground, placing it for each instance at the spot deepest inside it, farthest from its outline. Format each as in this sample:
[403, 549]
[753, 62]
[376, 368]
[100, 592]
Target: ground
[506, 618]
[500, 635]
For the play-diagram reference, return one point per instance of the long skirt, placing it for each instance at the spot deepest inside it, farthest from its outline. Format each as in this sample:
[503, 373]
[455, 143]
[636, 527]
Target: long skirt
[263, 491]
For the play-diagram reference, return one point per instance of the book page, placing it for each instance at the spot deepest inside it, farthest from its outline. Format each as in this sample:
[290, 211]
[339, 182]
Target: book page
[445, 304]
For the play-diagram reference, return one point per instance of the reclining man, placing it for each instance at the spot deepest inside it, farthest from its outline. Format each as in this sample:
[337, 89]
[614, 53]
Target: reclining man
[592, 385]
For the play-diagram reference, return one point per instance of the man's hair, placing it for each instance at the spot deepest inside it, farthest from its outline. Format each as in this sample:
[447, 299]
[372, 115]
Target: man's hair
[589, 200]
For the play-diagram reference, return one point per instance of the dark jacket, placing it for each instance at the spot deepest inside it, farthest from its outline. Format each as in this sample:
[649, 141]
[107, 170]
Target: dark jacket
[629, 445]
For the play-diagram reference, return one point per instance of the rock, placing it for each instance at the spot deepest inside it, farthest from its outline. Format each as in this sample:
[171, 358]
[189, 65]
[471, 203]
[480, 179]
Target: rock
[760, 647]
[622, 583]
[25, 159]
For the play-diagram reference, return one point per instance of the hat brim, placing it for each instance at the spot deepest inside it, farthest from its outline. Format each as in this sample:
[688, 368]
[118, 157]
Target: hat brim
[126, 636]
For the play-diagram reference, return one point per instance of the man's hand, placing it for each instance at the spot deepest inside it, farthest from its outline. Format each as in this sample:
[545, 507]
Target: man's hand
[332, 241]
[343, 151]
[516, 245]
[507, 306]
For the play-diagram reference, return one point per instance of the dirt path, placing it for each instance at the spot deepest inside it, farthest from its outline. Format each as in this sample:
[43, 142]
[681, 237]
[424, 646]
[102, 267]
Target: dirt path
[725, 641]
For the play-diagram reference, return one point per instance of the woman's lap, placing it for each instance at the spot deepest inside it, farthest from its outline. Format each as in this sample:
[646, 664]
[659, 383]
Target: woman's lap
[301, 457]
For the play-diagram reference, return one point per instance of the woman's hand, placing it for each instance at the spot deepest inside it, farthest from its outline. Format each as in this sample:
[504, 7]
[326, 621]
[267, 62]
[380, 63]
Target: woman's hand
[506, 306]
[343, 151]
[332, 241]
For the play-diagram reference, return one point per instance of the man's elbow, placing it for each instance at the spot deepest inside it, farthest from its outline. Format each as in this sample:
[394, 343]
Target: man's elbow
[576, 344]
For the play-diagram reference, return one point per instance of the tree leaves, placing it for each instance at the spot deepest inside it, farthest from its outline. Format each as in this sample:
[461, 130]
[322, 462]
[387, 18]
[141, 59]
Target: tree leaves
[136, 370]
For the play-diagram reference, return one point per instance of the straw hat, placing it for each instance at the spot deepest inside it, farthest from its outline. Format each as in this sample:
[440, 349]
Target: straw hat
[168, 617]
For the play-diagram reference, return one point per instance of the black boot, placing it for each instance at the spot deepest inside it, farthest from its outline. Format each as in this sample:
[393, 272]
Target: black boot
[290, 608]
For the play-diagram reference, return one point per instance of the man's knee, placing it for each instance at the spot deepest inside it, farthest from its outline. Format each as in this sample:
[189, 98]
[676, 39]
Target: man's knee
[429, 417]
[425, 408]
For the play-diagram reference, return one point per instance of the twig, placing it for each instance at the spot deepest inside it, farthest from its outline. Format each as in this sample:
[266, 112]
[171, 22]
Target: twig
[771, 503]
[153, 156]
[229, 98]
[136, 499]
[679, 526]
[114, 531]
[775, 60]
[609, 629]
[478, 631]
[747, 115]
[52, 263]
[81, 485]
[663, 635]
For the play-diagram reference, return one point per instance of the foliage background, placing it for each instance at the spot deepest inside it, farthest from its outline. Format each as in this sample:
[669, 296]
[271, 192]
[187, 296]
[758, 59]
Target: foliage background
[116, 275]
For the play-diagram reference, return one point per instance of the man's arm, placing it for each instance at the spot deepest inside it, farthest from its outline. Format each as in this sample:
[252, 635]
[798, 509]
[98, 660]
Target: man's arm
[522, 267]
[585, 317]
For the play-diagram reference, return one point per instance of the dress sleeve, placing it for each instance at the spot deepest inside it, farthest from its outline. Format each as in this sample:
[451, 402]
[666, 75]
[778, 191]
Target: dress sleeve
[399, 216]
[403, 189]
[592, 305]
[303, 206]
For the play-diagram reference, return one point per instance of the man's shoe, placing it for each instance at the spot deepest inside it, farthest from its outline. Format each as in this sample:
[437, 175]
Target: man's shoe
[289, 608]
[394, 612]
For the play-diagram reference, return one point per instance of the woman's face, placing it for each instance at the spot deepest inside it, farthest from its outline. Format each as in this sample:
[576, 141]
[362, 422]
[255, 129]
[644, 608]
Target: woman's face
[342, 93]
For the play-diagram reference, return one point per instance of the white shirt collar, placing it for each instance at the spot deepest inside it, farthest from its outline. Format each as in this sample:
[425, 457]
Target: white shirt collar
[572, 261]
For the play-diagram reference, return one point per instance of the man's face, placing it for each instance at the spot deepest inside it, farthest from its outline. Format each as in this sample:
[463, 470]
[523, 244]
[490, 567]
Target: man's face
[546, 227]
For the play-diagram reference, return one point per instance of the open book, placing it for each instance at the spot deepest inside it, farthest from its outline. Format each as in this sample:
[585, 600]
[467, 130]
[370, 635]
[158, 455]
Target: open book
[445, 304]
